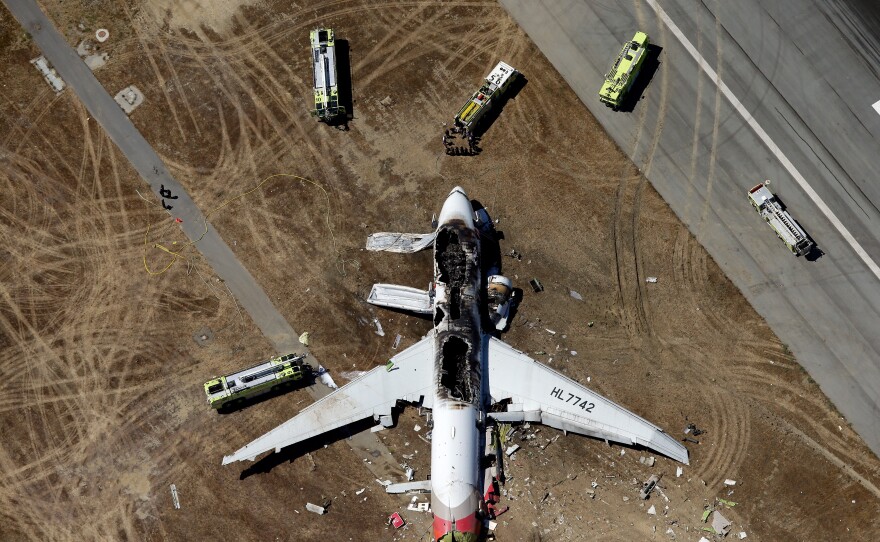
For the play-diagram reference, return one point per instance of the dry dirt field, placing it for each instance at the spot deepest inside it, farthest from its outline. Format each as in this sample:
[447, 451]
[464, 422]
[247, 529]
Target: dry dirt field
[100, 378]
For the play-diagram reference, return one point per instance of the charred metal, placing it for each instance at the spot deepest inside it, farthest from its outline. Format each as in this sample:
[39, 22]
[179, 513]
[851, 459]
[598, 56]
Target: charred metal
[456, 315]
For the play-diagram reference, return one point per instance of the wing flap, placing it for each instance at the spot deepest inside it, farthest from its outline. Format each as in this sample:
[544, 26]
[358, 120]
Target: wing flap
[403, 243]
[538, 393]
[371, 394]
[401, 297]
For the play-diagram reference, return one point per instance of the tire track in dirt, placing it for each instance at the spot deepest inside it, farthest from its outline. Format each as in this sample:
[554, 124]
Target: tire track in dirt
[162, 82]
[716, 123]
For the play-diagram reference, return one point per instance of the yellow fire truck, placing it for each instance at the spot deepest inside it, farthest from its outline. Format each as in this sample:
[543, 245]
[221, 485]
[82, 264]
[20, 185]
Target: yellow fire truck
[270, 375]
[623, 72]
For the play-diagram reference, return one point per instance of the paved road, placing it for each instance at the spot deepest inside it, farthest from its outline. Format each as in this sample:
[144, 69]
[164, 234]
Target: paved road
[152, 170]
[805, 71]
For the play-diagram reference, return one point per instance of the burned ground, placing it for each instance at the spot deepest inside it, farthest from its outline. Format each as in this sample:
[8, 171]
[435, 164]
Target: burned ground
[102, 403]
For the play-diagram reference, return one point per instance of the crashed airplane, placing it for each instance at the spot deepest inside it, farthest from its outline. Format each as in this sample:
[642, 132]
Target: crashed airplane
[467, 377]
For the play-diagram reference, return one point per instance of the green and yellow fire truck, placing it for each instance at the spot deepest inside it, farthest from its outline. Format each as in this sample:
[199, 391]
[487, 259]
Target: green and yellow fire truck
[327, 105]
[270, 375]
[623, 72]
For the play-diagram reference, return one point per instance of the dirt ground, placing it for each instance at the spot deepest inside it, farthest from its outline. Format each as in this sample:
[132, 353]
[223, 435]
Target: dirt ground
[102, 406]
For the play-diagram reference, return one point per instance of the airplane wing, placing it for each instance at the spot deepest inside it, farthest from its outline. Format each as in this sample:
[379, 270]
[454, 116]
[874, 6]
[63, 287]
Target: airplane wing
[404, 243]
[540, 394]
[371, 394]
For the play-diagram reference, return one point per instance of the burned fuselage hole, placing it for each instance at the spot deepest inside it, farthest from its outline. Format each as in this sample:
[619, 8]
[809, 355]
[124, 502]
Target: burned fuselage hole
[438, 316]
[451, 257]
[455, 369]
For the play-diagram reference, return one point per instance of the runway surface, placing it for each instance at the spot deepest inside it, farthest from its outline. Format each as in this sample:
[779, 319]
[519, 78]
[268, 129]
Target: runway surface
[742, 92]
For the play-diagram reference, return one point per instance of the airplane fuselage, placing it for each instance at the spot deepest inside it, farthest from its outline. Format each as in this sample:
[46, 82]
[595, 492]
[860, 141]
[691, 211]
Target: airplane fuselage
[458, 413]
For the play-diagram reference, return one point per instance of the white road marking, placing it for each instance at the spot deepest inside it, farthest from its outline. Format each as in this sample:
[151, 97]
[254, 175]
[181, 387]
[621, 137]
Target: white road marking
[872, 265]
[876, 106]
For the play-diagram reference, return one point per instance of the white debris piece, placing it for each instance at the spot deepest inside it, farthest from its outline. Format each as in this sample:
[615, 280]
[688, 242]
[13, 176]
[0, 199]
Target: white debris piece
[174, 497]
[396, 342]
[385, 483]
[417, 428]
[379, 331]
[742, 535]
[377, 428]
[304, 339]
[703, 539]
[325, 378]
[315, 508]
[512, 450]
[102, 34]
[574, 352]
[678, 472]
[361, 490]
[410, 473]
[550, 331]
[651, 279]
[652, 511]
[575, 295]
[720, 523]
[729, 482]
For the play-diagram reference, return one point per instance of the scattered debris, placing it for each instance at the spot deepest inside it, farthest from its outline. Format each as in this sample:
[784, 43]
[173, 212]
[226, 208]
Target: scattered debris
[550, 331]
[361, 490]
[648, 486]
[102, 34]
[536, 285]
[703, 539]
[396, 342]
[129, 98]
[304, 339]
[174, 497]
[594, 485]
[693, 428]
[410, 473]
[651, 279]
[678, 472]
[575, 295]
[379, 331]
[652, 511]
[729, 482]
[418, 506]
[590, 323]
[395, 520]
[687, 439]
[705, 515]
[417, 428]
[49, 74]
[720, 524]
[512, 450]
[729, 504]
[574, 353]
[742, 535]
[325, 378]
[320, 510]
[385, 483]
[648, 461]
[386, 101]
[515, 255]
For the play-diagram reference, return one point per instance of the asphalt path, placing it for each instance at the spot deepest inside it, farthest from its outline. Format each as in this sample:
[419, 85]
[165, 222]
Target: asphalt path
[784, 92]
[147, 163]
